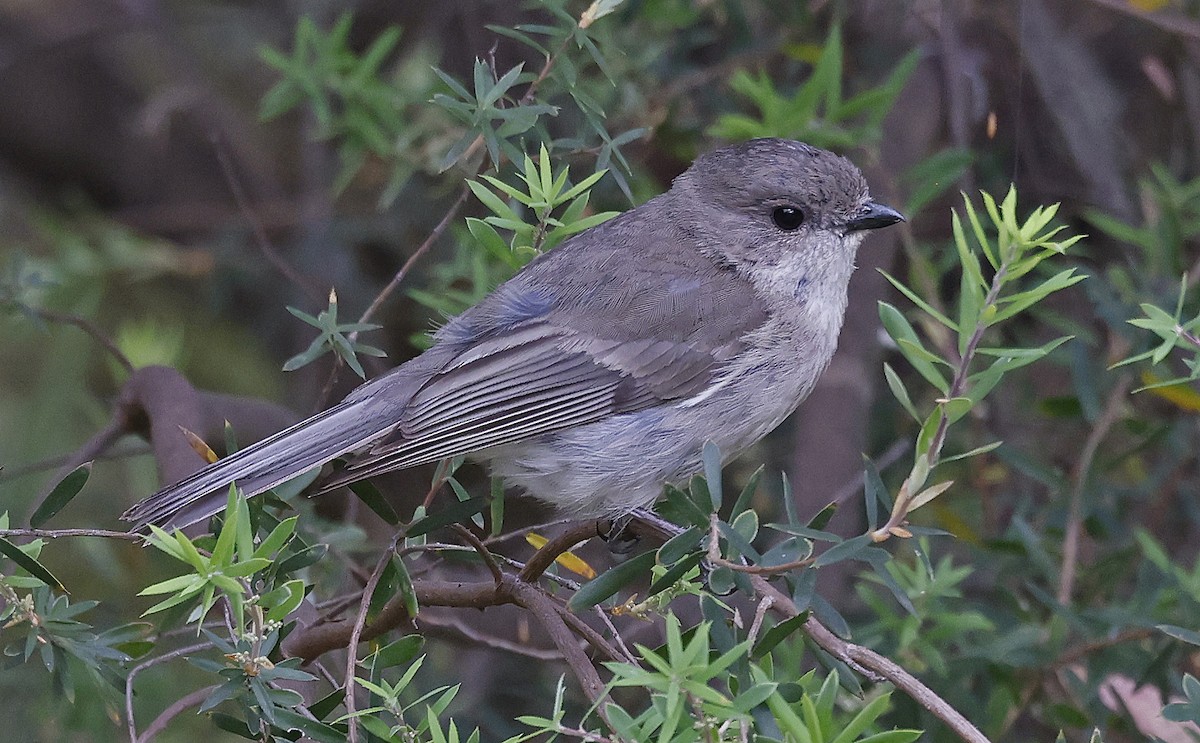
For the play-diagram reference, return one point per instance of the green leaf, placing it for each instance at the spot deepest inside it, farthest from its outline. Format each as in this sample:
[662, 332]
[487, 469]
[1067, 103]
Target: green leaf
[489, 239]
[956, 407]
[62, 494]
[980, 235]
[449, 515]
[921, 303]
[582, 186]
[674, 573]
[927, 432]
[748, 491]
[904, 335]
[893, 736]
[222, 553]
[1192, 637]
[308, 556]
[966, 258]
[711, 457]
[680, 545]
[844, 551]
[311, 729]
[914, 350]
[29, 564]
[171, 585]
[737, 541]
[494, 203]
[164, 542]
[896, 385]
[1019, 302]
[974, 452]
[374, 500]
[276, 539]
[398, 653]
[789, 722]
[611, 581]
[874, 493]
[777, 634]
[404, 586]
[293, 596]
[496, 505]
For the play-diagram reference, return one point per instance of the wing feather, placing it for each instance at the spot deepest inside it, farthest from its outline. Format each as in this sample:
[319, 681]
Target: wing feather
[531, 381]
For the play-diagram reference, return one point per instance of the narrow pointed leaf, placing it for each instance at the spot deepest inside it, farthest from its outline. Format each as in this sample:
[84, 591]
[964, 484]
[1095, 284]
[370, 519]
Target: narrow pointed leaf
[62, 494]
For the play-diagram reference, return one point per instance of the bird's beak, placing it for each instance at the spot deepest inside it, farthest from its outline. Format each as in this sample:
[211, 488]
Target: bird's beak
[873, 216]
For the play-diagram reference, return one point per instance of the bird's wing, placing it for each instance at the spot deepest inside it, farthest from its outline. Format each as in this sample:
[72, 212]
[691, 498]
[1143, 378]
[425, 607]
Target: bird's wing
[596, 328]
[531, 380]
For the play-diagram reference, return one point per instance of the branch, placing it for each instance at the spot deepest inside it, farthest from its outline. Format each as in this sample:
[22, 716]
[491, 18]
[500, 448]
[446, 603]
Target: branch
[545, 557]
[179, 705]
[539, 604]
[311, 642]
[386, 292]
[88, 327]
[356, 632]
[129, 719]
[1074, 531]
[56, 533]
[873, 665]
[256, 226]
[488, 558]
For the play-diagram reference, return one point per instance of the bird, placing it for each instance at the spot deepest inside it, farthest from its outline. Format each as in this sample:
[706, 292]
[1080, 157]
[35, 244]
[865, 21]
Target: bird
[602, 368]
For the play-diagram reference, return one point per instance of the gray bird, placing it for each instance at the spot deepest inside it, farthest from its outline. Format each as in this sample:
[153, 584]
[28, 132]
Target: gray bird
[597, 373]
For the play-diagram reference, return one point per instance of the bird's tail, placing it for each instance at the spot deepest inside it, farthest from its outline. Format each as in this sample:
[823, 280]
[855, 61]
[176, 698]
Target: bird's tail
[310, 443]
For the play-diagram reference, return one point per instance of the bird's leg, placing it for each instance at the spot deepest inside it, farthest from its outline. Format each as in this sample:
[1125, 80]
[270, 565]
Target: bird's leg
[627, 531]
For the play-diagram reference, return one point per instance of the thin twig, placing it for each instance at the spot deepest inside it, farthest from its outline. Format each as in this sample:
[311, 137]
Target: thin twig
[1075, 654]
[545, 557]
[714, 556]
[488, 558]
[509, 536]
[356, 633]
[179, 705]
[588, 633]
[256, 226]
[56, 533]
[473, 636]
[543, 609]
[760, 613]
[89, 327]
[10, 473]
[873, 664]
[133, 673]
[1083, 466]
[617, 638]
[387, 291]
[438, 229]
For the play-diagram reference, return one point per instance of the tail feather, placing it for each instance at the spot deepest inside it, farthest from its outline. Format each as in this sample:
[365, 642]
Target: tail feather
[310, 443]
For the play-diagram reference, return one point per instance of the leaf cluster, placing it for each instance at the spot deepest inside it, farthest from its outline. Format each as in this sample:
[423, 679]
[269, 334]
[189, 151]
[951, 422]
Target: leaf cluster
[818, 112]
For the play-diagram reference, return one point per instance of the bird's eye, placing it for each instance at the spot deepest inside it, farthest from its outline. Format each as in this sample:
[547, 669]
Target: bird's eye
[787, 218]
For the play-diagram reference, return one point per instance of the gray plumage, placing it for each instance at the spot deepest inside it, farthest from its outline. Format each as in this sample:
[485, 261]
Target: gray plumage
[599, 371]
